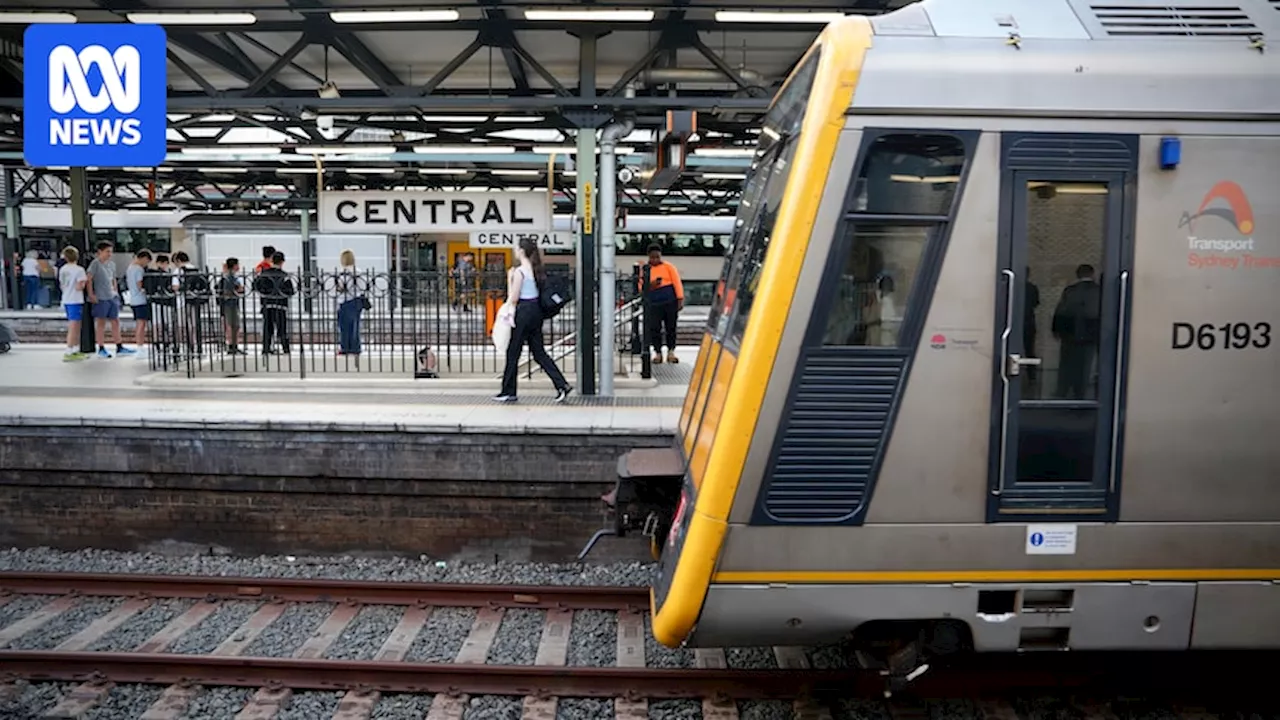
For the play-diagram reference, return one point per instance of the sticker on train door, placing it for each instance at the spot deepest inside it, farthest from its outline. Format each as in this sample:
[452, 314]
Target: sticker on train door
[1051, 539]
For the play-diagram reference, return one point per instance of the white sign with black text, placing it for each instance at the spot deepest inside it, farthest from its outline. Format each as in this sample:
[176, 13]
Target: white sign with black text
[1051, 539]
[508, 240]
[434, 212]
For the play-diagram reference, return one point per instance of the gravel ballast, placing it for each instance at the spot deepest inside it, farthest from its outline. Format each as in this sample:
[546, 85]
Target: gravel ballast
[66, 624]
[337, 567]
[289, 631]
[141, 627]
[209, 634]
[517, 640]
[443, 635]
[126, 702]
[593, 642]
[365, 634]
[22, 606]
[402, 706]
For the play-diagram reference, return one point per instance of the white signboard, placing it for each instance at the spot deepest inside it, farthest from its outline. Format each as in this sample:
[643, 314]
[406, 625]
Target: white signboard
[1051, 539]
[434, 212]
[545, 240]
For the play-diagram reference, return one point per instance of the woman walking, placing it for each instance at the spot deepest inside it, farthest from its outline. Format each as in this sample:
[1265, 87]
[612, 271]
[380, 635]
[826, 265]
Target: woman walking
[350, 305]
[523, 282]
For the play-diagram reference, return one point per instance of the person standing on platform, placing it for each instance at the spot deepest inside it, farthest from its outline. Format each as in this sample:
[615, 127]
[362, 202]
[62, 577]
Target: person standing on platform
[230, 292]
[268, 252]
[134, 276]
[72, 279]
[159, 287]
[31, 279]
[104, 299]
[275, 288]
[665, 294]
[350, 305]
[523, 283]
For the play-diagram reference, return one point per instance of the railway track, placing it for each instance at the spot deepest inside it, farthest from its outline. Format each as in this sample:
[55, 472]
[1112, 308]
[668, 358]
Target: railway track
[87, 654]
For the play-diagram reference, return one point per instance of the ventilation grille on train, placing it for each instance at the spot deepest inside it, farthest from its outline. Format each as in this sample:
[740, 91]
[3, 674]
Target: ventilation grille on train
[1175, 20]
[833, 436]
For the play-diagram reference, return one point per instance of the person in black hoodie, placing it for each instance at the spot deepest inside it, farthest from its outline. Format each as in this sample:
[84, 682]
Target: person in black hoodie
[1076, 325]
[275, 287]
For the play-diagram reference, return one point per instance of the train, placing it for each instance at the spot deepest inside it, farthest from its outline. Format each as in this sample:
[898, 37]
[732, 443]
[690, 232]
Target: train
[991, 364]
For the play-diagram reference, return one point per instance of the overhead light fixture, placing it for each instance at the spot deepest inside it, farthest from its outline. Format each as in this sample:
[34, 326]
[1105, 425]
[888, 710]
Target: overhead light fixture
[724, 152]
[745, 16]
[371, 170]
[724, 176]
[221, 170]
[443, 171]
[454, 118]
[204, 18]
[590, 15]
[464, 149]
[35, 18]
[573, 150]
[295, 171]
[147, 169]
[392, 16]
[345, 149]
[211, 150]
[509, 171]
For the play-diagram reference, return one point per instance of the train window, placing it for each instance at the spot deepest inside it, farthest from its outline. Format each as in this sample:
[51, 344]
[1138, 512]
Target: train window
[910, 174]
[875, 285]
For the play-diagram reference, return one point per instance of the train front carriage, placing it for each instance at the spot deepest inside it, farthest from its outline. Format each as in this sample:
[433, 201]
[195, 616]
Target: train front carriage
[992, 363]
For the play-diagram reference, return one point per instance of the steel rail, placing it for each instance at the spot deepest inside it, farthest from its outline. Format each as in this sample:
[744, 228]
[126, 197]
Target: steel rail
[600, 682]
[326, 590]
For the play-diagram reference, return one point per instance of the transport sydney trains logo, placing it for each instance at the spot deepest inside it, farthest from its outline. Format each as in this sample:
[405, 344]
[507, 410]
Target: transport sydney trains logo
[1220, 233]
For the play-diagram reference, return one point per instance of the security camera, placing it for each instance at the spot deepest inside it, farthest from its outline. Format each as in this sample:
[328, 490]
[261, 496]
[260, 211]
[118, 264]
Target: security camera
[324, 124]
[625, 175]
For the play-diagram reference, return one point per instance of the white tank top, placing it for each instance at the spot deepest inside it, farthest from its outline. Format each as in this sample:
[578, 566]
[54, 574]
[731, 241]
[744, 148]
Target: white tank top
[528, 285]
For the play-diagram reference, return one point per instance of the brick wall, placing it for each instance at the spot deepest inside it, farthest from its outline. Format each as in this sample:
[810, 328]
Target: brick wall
[278, 491]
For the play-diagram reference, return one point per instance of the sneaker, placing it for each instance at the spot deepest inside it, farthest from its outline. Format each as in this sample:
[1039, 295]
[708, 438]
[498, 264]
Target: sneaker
[104, 354]
[73, 356]
[126, 351]
[671, 358]
[563, 394]
[504, 398]
[657, 359]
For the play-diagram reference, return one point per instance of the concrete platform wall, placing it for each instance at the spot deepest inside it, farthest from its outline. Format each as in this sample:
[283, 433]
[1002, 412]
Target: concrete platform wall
[448, 496]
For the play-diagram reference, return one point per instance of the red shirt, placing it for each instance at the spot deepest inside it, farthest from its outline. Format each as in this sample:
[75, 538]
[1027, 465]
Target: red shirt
[262, 266]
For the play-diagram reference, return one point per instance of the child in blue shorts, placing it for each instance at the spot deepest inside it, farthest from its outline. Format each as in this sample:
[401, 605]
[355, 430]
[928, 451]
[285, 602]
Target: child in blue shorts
[71, 278]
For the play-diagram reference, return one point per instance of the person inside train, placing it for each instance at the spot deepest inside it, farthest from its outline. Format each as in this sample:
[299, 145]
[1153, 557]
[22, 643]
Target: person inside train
[523, 283]
[665, 294]
[1076, 326]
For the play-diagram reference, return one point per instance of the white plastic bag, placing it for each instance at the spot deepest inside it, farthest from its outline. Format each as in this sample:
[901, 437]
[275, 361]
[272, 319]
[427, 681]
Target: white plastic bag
[502, 325]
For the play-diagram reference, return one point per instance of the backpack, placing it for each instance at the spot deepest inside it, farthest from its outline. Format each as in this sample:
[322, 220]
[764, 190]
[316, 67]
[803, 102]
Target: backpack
[553, 294]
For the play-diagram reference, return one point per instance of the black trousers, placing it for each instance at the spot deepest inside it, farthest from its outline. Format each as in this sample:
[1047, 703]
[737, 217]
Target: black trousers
[528, 331]
[275, 324]
[663, 317]
[1074, 370]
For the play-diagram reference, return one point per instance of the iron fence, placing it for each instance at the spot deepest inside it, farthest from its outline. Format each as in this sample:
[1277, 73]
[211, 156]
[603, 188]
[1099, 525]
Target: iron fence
[423, 324]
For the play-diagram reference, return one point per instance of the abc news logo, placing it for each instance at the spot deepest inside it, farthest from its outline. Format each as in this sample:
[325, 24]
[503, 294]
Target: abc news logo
[69, 91]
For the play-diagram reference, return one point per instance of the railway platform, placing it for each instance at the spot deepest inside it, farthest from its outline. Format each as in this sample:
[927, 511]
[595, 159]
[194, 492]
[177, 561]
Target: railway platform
[111, 454]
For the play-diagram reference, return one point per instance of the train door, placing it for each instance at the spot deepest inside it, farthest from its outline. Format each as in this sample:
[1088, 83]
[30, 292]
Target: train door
[1063, 290]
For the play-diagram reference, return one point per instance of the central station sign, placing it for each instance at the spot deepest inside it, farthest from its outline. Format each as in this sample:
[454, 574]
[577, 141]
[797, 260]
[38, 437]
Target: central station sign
[434, 212]
[507, 240]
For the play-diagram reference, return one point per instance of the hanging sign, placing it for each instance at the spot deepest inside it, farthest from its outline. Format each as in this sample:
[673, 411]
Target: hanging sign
[508, 240]
[433, 212]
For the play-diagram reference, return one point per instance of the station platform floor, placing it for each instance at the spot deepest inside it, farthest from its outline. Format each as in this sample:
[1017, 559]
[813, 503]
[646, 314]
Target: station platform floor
[37, 388]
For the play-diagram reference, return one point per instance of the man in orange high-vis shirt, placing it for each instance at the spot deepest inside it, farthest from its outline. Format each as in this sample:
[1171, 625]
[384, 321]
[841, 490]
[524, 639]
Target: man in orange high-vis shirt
[666, 299]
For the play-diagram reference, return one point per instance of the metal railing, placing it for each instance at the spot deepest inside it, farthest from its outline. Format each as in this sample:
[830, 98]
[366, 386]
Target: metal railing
[306, 324]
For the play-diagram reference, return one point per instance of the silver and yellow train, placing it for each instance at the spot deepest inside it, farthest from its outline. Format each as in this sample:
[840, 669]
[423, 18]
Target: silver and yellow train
[994, 359]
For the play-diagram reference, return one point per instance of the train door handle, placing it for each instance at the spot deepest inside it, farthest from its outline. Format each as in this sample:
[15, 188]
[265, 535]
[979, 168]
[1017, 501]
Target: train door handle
[1016, 361]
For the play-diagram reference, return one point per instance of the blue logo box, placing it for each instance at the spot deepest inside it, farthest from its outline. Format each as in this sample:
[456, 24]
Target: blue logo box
[94, 95]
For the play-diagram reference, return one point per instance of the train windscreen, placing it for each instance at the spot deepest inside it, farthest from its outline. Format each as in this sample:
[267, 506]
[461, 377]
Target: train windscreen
[758, 208]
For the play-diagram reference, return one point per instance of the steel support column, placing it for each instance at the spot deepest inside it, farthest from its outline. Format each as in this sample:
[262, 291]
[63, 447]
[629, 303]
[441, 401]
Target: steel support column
[10, 245]
[585, 260]
[82, 231]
